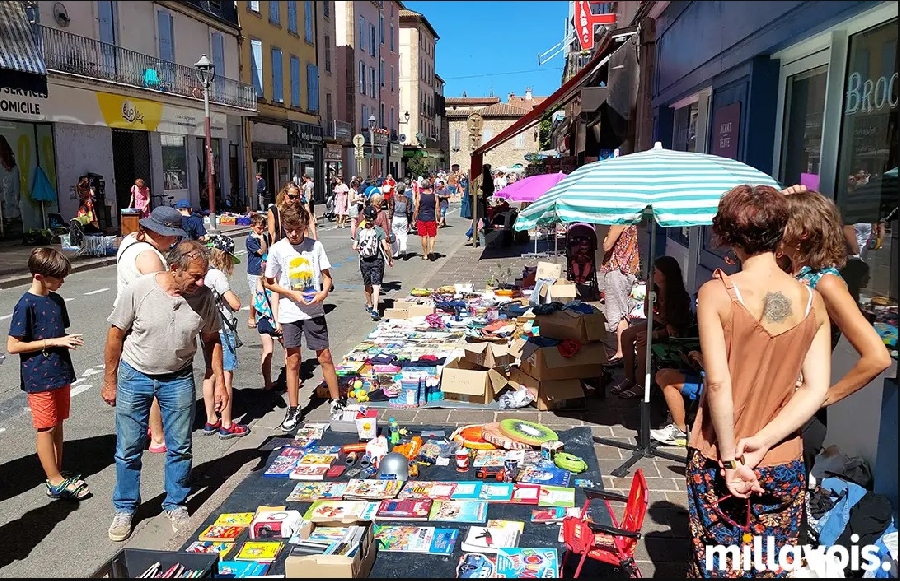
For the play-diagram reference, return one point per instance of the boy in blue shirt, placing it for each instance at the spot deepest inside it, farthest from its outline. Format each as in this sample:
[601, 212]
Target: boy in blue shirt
[37, 334]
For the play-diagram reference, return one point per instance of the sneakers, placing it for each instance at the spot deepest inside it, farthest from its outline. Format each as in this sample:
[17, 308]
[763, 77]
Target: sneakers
[210, 429]
[179, 518]
[670, 435]
[235, 430]
[120, 529]
[291, 419]
[337, 408]
[375, 315]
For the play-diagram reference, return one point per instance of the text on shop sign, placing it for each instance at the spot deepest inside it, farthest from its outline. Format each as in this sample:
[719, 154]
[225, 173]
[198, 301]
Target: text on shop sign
[867, 96]
[17, 101]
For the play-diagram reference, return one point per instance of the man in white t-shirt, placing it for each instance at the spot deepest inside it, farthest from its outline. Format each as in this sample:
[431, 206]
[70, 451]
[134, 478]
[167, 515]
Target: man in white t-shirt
[298, 270]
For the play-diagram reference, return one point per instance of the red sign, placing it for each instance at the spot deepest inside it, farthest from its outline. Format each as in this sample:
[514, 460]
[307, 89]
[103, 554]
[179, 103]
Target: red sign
[586, 23]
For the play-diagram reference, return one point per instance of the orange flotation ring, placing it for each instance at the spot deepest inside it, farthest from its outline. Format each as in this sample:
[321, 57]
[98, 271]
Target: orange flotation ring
[471, 437]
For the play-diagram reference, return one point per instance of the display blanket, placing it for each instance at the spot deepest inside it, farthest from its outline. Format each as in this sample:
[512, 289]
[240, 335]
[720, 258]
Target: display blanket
[257, 490]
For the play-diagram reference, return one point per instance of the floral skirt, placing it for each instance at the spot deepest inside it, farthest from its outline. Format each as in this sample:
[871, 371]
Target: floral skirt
[743, 539]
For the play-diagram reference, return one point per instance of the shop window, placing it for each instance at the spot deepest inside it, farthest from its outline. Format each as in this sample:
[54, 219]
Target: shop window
[803, 117]
[866, 182]
[684, 138]
[174, 159]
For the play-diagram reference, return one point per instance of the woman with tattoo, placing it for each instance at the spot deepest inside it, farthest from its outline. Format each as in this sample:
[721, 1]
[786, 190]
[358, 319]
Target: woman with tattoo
[759, 330]
[815, 246]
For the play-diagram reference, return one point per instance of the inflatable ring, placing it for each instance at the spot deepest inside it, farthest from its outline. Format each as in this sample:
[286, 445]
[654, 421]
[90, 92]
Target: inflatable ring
[530, 433]
[570, 462]
[492, 433]
[471, 437]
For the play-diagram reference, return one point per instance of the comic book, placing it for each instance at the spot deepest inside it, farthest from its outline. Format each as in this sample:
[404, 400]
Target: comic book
[371, 489]
[235, 519]
[237, 569]
[496, 491]
[545, 475]
[284, 463]
[414, 539]
[310, 491]
[260, 551]
[408, 509]
[467, 490]
[309, 472]
[476, 566]
[225, 533]
[428, 489]
[527, 563]
[461, 511]
[336, 510]
[220, 547]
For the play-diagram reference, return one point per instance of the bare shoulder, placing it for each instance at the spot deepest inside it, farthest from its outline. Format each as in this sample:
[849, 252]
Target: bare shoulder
[819, 307]
[713, 292]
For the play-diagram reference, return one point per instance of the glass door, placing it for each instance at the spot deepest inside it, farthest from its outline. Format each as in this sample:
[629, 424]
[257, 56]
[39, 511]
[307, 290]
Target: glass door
[804, 114]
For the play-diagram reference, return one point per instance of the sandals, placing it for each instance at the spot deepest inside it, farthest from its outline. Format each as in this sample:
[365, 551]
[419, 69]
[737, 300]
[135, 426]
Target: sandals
[72, 488]
[235, 430]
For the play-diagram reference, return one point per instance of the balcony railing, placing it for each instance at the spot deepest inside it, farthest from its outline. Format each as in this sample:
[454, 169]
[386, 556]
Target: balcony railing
[78, 55]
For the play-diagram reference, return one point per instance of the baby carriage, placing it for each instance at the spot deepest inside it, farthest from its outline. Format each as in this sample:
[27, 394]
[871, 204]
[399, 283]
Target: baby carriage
[581, 263]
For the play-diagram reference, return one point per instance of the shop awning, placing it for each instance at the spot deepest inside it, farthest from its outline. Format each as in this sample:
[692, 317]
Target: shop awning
[563, 95]
[21, 62]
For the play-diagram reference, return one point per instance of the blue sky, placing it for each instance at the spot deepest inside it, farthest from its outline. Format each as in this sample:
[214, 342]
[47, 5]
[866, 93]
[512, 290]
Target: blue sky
[495, 45]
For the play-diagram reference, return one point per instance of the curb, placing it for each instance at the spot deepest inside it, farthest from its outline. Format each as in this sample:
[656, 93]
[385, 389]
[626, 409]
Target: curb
[91, 264]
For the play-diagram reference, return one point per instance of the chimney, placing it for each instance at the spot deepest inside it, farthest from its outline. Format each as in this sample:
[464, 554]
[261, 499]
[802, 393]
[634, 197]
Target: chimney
[510, 97]
[528, 94]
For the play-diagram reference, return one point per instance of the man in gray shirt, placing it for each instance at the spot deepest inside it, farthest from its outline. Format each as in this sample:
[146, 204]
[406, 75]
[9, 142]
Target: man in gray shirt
[149, 353]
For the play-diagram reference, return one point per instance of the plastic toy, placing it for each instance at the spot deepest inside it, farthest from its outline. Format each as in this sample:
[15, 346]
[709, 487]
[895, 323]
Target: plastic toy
[491, 472]
[570, 462]
[394, 432]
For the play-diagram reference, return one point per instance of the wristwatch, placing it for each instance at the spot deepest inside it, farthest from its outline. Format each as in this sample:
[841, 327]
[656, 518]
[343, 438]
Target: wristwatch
[732, 464]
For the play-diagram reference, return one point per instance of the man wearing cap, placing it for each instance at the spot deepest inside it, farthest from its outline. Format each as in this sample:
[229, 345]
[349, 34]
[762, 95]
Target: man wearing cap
[191, 222]
[141, 253]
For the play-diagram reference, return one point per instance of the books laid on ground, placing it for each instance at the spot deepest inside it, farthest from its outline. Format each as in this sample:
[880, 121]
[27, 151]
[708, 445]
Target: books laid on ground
[556, 496]
[496, 458]
[236, 569]
[260, 551]
[553, 514]
[222, 548]
[476, 566]
[237, 519]
[461, 511]
[371, 489]
[496, 491]
[516, 563]
[283, 464]
[428, 489]
[544, 474]
[227, 533]
[406, 509]
[309, 471]
[329, 540]
[493, 535]
[415, 539]
[337, 510]
[310, 491]
[526, 493]
[467, 490]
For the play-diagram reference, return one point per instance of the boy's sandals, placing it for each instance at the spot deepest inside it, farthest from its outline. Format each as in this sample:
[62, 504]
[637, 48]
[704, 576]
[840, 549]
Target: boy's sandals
[72, 488]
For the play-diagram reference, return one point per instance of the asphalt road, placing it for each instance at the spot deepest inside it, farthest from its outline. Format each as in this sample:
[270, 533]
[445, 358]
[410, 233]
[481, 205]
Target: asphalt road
[43, 537]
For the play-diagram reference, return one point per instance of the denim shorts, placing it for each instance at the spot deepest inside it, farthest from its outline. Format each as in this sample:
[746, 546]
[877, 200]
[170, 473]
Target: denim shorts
[229, 350]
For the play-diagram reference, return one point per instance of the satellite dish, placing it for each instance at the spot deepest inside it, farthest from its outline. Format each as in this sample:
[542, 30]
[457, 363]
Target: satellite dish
[402, 137]
[61, 15]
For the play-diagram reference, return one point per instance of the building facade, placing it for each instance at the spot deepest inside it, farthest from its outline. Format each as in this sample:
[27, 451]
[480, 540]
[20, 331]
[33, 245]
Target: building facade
[279, 59]
[123, 102]
[418, 95]
[496, 118]
[337, 131]
[368, 39]
[443, 123]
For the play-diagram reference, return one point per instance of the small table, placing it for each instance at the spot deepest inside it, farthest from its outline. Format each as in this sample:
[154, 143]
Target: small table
[129, 220]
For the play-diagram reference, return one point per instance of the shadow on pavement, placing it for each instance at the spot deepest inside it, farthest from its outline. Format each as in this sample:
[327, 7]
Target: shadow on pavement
[22, 535]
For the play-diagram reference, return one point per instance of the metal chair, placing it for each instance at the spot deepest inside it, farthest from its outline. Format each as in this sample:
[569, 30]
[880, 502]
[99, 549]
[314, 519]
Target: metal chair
[614, 544]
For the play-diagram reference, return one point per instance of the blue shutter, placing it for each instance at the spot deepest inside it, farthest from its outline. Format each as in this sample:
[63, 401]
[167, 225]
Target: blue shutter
[218, 59]
[166, 44]
[292, 17]
[312, 87]
[295, 82]
[362, 34]
[277, 77]
[308, 22]
[275, 12]
[256, 63]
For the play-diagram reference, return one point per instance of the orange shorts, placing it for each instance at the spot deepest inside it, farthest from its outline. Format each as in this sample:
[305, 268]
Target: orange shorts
[49, 408]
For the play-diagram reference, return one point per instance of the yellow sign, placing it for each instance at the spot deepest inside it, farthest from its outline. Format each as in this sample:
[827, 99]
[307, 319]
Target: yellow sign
[129, 113]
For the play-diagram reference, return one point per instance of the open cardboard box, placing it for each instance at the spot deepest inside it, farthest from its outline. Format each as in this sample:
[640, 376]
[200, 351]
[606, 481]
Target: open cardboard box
[333, 566]
[488, 355]
[462, 380]
[546, 363]
[549, 395]
[407, 310]
[563, 291]
[569, 325]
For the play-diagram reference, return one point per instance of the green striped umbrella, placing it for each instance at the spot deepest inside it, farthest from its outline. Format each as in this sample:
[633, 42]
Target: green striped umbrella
[681, 189]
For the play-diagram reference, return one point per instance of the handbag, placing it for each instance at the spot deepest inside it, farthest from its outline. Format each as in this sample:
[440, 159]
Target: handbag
[231, 325]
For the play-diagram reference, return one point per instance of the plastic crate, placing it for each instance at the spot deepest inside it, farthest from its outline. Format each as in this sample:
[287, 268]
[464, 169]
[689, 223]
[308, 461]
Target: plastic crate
[129, 563]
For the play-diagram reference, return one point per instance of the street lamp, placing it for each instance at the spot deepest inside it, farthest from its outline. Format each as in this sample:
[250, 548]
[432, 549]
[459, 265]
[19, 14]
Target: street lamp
[372, 144]
[205, 72]
[406, 116]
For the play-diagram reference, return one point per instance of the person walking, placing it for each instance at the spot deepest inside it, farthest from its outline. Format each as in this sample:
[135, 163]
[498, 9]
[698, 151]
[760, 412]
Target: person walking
[400, 210]
[262, 193]
[221, 267]
[37, 334]
[290, 196]
[619, 269]
[191, 222]
[141, 253]
[425, 214]
[299, 271]
[372, 245]
[443, 194]
[341, 201]
[257, 248]
[149, 353]
[140, 197]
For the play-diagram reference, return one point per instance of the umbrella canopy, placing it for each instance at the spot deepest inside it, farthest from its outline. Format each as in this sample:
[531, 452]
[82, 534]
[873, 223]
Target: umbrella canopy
[681, 189]
[530, 188]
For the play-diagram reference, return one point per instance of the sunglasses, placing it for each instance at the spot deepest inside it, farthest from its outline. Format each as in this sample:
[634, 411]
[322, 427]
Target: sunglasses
[293, 196]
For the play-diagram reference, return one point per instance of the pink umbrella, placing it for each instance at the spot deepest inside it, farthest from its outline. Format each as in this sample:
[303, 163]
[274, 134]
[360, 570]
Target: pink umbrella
[530, 188]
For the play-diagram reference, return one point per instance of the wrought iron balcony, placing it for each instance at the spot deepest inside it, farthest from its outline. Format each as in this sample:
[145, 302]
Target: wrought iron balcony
[69, 53]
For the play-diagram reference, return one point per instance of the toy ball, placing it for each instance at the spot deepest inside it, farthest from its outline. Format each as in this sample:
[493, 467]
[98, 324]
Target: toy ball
[357, 384]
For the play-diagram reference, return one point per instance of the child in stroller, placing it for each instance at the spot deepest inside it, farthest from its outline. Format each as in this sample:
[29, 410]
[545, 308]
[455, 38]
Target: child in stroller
[581, 253]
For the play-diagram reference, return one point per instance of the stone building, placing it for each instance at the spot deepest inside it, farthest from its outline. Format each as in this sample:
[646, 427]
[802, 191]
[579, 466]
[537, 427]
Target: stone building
[497, 117]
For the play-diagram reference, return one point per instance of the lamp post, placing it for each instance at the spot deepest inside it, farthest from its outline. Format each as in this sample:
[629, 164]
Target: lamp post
[372, 121]
[406, 116]
[205, 72]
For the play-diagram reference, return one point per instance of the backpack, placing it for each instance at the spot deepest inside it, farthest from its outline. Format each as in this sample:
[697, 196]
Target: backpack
[369, 246]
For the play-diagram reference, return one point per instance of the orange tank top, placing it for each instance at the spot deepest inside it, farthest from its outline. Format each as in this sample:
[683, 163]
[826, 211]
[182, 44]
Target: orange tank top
[764, 370]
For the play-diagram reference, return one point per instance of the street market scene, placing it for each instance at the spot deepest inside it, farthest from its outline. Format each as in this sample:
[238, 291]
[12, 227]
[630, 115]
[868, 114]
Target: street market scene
[356, 289]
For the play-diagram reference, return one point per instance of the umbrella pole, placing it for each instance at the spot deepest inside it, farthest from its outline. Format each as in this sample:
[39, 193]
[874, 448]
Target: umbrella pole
[645, 446]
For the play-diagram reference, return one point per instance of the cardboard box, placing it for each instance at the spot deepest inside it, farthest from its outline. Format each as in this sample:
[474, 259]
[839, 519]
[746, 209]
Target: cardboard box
[488, 355]
[563, 291]
[549, 395]
[333, 566]
[462, 380]
[548, 270]
[546, 363]
[407, 310]
[569, 325]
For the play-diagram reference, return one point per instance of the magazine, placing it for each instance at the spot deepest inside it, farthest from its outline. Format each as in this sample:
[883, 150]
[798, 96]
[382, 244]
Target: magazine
[407, 509]
[545, 475]
[496, 491]
[428, 489]
[475, 566]
[519, 563]
[461, 511]
[414, 539]
[371, 489]
[467, 490]
[493, 535]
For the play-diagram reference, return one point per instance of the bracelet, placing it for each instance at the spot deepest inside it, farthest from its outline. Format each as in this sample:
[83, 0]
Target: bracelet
[44, 350]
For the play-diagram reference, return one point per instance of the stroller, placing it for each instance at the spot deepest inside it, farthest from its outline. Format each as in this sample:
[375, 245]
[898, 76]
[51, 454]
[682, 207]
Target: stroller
[581, 263]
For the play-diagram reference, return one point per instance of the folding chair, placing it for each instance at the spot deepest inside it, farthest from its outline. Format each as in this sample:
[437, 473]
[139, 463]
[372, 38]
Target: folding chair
[614, 544]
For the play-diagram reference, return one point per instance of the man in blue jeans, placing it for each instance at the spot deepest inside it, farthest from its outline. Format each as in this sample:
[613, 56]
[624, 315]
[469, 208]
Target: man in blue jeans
[149, 353]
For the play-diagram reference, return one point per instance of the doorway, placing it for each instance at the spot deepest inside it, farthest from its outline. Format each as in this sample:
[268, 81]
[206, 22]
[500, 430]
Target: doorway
[131, 160]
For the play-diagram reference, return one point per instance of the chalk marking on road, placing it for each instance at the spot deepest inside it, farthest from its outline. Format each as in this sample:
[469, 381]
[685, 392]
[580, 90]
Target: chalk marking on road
[68, 299]
[247, 308]
[92, 371]
[240, 252]
[98, 291]
[76, 389]
[4, 317]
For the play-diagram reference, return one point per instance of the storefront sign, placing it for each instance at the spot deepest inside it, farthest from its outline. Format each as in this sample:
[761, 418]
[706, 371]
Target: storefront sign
[868, 96]
[22, 105]
[305, 154]
[122, 112]
[395, 151]
[333, 152]
[306, 134]
[726, 131]
[586, 23]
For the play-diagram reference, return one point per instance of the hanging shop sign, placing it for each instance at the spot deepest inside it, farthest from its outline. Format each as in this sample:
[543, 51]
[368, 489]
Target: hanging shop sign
[586, 23]
[306, 135]
[333, 152]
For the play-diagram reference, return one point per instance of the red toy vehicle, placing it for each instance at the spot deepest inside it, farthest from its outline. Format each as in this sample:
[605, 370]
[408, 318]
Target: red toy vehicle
[488, 472]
